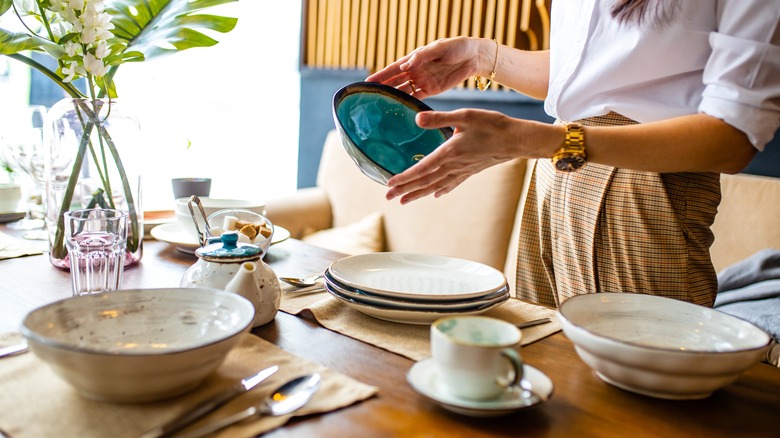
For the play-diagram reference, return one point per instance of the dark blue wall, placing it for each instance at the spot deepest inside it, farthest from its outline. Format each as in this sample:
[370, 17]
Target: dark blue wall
[319, 85]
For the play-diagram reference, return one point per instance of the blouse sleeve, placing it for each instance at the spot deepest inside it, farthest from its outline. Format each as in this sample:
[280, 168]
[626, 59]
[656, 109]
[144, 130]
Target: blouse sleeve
[742, 75]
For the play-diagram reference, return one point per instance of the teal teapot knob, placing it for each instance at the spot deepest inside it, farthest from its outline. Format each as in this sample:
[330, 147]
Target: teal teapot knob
[226, 248]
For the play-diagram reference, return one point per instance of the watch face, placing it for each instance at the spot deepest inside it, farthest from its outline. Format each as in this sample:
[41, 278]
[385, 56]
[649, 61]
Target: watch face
[570, 163]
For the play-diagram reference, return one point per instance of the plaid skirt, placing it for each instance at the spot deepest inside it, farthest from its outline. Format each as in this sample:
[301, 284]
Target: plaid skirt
[605, 229]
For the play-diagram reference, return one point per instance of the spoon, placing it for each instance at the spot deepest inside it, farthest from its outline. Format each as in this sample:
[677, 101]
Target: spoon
[301, 281]
[286, 399]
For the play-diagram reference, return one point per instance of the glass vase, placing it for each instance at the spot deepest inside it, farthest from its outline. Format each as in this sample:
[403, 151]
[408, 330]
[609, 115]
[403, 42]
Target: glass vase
[89, 164]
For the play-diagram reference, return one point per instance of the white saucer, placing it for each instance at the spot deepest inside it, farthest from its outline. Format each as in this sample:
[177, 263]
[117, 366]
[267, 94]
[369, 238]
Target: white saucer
[11, 216]
[173, 234]
[423, 377]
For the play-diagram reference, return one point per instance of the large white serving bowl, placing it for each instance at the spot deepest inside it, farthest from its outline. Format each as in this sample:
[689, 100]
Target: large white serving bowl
[658, 346]
[138, 345]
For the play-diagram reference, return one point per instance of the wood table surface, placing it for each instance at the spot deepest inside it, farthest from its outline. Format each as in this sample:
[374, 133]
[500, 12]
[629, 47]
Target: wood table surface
[581, 404]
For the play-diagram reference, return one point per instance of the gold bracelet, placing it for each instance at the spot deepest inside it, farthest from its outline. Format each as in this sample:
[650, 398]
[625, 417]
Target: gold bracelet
[479, 80]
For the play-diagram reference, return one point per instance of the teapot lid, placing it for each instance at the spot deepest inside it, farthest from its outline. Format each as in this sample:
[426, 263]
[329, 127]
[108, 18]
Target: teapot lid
[227, 249]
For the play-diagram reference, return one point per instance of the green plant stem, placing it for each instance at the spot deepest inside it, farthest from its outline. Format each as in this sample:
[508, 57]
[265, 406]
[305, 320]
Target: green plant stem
[58, 248]
[100, 164]
[69, 88]
[101, 195]
[133, 241]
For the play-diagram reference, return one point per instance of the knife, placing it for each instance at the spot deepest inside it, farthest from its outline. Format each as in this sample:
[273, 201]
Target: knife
[210, 405]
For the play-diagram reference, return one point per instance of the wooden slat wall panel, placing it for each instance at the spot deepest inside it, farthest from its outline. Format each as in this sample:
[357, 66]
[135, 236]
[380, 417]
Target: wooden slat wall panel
[373, 33]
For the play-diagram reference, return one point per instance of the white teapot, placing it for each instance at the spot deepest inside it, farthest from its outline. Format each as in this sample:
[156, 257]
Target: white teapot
[237, 267]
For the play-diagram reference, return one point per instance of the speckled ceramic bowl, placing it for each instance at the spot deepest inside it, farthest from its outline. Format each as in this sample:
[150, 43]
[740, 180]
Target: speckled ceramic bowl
[138, 345]
[377, 128]
[658, 346]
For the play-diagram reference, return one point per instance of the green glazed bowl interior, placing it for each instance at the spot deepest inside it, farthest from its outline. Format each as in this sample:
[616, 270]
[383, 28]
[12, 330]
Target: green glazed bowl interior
[377, 128]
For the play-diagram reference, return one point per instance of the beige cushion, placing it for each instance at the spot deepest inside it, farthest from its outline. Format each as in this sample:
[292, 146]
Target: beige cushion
[304, 210]
[473, 222]
[748, 218]
[362, 237]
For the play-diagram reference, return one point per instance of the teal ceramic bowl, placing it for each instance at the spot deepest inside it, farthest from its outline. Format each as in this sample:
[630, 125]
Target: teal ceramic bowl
[377, 128]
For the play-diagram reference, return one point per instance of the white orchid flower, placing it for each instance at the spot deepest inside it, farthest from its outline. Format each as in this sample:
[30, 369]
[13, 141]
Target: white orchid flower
[69, 71]
[76, 5]
[72, 49]
[94, 65]
[101, 50]
[88, 35]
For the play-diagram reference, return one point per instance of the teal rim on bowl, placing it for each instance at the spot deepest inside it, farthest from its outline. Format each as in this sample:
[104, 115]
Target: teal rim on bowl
[377, 128]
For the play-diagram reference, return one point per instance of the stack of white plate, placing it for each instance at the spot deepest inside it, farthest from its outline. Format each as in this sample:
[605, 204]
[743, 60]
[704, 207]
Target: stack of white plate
[415, 288]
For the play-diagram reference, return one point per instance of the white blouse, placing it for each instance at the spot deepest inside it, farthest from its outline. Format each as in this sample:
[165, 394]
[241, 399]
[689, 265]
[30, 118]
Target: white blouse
[718, 57]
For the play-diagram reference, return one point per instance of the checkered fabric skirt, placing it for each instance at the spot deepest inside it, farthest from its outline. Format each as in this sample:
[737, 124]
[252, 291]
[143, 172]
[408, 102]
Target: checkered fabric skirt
[605, 229]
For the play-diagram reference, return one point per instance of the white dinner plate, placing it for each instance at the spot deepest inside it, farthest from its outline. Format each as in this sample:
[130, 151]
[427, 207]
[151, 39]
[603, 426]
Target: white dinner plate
[406, 316]
[184, 242]
[417, 276]
[424, 378]
[397, 303]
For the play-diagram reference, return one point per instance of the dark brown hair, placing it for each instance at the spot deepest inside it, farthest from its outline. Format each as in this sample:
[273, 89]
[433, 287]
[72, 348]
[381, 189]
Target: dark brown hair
[654, 12]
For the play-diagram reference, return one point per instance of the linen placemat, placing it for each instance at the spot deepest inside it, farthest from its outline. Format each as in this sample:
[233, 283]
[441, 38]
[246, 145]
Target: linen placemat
[11, 247]
[411, 341]
[36, 402]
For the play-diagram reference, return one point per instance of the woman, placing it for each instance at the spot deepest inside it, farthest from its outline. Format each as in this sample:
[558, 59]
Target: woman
[654, 99]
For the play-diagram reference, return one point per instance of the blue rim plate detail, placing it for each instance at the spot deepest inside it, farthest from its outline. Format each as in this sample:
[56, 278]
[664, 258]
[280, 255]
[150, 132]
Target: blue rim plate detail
[406, 316]
[395, 303]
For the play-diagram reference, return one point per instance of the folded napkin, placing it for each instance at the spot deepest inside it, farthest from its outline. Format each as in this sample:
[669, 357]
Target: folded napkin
[37, 403]
[11, 247]
[750, 290]
[411, 341]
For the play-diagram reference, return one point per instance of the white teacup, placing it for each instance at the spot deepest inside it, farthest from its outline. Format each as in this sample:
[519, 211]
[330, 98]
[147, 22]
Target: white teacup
[10, 195]
[476, 356]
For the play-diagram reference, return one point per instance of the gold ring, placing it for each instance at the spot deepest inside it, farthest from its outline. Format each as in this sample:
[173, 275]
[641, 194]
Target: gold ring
[414, 87]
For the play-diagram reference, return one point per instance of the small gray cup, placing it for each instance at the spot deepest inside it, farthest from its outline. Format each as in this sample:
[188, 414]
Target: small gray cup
[186, 187]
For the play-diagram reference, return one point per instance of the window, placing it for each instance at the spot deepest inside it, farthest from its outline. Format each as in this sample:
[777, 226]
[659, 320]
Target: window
[229, 112]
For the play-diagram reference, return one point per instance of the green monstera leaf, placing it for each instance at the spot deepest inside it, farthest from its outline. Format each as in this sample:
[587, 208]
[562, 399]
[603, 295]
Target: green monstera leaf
[149, 28]
[161, 27]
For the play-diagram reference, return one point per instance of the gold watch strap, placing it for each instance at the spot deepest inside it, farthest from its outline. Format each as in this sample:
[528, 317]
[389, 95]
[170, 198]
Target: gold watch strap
[574, 142]
[572, 154]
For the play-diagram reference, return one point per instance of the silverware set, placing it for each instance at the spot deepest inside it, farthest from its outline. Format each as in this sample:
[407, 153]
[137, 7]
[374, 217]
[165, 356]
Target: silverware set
[284, 400]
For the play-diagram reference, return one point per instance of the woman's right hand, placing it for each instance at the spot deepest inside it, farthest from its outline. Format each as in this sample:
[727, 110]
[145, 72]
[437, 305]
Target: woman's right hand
[438, 66]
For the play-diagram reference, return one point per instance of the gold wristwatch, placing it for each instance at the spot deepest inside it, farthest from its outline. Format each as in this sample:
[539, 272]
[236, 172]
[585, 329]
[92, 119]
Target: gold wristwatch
[571, 156]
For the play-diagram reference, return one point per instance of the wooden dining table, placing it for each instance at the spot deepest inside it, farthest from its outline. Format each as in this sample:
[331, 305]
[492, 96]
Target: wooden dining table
[581, 405]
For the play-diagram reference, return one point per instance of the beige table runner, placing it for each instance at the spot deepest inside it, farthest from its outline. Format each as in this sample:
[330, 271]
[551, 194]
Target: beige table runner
[411, 341]
[35, 402]
[11, 247]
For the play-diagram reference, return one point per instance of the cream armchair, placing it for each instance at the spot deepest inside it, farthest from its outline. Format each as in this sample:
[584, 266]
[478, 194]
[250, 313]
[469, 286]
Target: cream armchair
[480, 219]
[474, 222]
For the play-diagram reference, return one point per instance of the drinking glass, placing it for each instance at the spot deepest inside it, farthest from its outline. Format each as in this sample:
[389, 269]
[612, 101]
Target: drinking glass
[21, 147]
[96, 240]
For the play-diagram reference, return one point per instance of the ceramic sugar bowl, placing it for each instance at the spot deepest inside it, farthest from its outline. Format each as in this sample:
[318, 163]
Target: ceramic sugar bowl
[237, 267]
